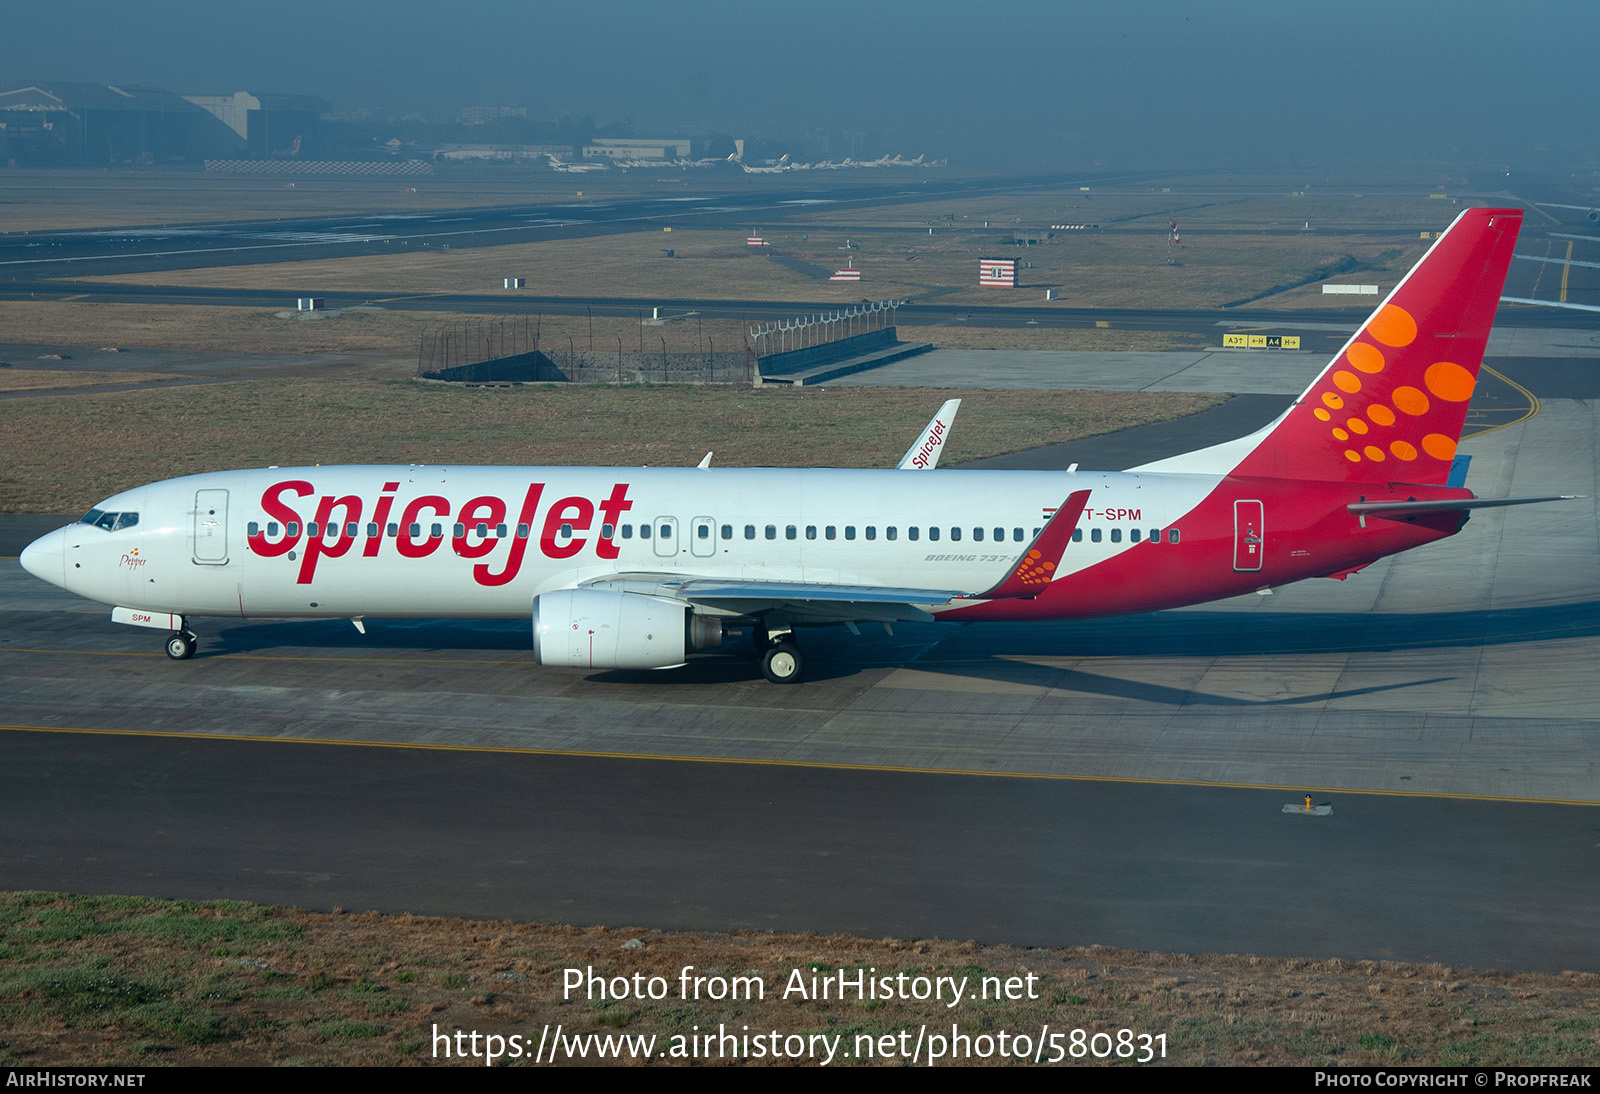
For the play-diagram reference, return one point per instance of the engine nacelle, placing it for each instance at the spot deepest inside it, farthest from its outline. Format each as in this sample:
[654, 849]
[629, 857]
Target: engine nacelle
[603, 629]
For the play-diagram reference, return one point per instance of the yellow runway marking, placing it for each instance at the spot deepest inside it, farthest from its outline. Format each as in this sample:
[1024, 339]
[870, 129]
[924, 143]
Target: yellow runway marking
[1297, 788]
[1533, 402]
[1566, 271]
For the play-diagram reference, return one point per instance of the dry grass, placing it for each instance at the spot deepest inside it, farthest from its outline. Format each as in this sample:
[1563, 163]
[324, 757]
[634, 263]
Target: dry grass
[36, 201]
[79, 445]
[48, 379]
[1093, 269]
[96, 981]
[707, 266]
[388, 339]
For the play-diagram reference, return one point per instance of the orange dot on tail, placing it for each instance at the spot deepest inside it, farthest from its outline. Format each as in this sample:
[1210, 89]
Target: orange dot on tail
[1403, 451]
[1439, 446]
[1380, 414]
[1393, 326]
[1339, 434]
[1374, 453]
[1351, 456]
[1357, 425]
[1332, 400]
[1033, 554]
[1450, 381]
[1410, 400]
[1323, 414]
[1347, 382]
[1365, 356]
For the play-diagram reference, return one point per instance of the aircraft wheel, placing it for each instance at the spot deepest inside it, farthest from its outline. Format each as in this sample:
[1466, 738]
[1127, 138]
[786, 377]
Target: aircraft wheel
[180, 645]
[782, 664]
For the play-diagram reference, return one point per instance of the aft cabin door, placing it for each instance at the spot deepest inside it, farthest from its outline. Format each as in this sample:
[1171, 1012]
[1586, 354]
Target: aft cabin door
[211, 527]
[1249, 536]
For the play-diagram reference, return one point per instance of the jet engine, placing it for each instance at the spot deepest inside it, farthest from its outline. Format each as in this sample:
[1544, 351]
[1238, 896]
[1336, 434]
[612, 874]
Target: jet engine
[603, 629]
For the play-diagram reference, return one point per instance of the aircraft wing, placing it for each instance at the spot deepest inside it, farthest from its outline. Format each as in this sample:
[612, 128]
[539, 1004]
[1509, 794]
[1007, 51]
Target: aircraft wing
[818, 602]
[824, 602]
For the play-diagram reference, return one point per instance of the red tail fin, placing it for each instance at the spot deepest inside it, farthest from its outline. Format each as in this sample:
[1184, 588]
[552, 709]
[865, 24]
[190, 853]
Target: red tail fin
[1391, 404]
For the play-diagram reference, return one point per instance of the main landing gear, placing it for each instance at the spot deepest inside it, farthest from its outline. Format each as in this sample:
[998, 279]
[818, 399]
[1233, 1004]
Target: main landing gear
[781, 662]
[181, 644]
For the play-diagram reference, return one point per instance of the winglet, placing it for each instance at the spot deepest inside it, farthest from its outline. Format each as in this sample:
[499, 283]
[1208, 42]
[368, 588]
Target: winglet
[1032, 574]
[923, 455]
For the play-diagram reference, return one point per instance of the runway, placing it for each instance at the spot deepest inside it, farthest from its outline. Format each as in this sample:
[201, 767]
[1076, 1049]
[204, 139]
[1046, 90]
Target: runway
[1118, 781]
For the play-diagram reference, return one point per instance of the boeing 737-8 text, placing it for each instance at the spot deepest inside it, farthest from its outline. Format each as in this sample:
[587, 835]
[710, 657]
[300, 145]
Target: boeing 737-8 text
[639, 567]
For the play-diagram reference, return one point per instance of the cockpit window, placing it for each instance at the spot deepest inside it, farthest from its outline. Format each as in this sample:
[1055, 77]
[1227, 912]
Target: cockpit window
[111, 522]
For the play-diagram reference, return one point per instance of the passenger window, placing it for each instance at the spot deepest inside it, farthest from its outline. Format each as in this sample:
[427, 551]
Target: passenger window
[483, 530]
[703, 531]
[830, 532]
[1172, 535]
[933, 533]
[393, 530]
[272, 527]
[790, 532]
[437, 531]
[999, 535]
[606, 530]
[1094, 535]
[1016, 535]
[772, 531]
[872, 531]
[459, 530]
[913, 532]
[891, 532]
[523, 529]
[749, 531]
[644, 531]
[312, 528]
[252, 529]
[1155, 535]
[414, 532]
[849, 531]
[372, 531]
[955, 535]
[627, 531]
[727, 531]
[1077, 535]
[977, 535]
[664, 532]
[1133, 535]
[811, 531]
[1116, 535]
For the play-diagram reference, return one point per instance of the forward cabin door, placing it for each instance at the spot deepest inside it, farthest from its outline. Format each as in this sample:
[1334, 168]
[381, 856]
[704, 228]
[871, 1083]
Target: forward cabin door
[211, 527]
[1249, 536]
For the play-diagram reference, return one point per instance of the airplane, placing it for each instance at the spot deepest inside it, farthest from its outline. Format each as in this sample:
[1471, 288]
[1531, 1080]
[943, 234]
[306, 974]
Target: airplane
[638, 568]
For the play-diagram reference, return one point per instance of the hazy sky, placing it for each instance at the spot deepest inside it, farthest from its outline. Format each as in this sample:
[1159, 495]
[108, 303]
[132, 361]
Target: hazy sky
[1159, 82]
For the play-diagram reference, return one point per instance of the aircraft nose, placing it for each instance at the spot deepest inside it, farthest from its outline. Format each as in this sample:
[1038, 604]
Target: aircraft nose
[46, 557]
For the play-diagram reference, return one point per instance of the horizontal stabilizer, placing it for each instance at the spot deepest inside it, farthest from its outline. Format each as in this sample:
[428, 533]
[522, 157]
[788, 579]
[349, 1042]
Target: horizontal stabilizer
[1392, 509]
